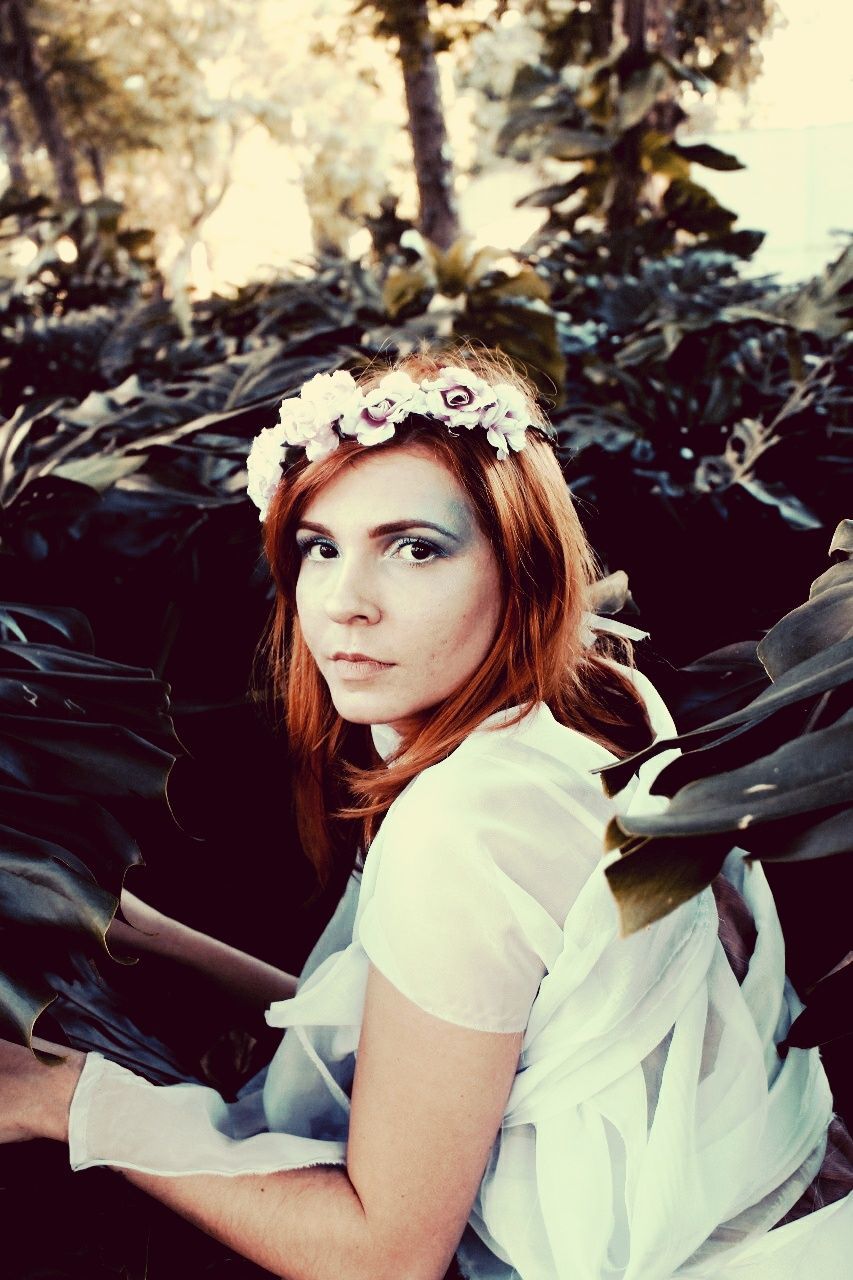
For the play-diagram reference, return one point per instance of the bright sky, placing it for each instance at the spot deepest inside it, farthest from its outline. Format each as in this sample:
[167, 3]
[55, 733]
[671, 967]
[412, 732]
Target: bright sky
[804, 98]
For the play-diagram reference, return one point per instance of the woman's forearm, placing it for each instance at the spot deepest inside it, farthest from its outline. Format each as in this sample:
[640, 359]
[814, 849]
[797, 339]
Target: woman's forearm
[240, 975]
[303, 1224]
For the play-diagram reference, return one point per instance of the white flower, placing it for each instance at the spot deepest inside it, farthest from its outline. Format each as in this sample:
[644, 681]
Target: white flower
[309, 418]
[372, 415]
[305, 424]
[457, 397]
[329, 394]
[506, 420]
[264, 466]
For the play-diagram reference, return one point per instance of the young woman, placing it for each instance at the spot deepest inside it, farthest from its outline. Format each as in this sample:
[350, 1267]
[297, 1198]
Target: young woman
[476, 1063]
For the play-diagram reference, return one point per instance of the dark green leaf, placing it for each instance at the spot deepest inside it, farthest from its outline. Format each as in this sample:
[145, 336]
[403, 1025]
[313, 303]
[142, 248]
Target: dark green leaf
[814, 626]
[660, 875]
[26, 622]
[803, 838]
[706, 155]
[575, 144]
[548, 197]
[829, 669]
[99, 760]
[809, 773]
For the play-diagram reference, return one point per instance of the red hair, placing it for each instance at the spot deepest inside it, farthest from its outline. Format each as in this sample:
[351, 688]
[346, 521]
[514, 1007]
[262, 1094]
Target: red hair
[342, 790]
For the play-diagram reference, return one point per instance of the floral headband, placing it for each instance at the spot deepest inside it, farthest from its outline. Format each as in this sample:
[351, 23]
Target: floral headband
[332, 407]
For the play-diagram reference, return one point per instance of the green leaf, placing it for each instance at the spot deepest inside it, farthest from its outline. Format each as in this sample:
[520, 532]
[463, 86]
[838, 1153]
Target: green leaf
[99, 760]
[696, 209]
[773, 493]
[407, 290]
[640, 92]
[709, 157]
[22, 1000]
[807, 630]
[682, 72]
[829, 669]
[804, 839]
[660, 875]
[824, 305]
[98, 471]
[531, 79]
[610, 594]
[576, 144]
[548, 197]
[22, 622]
[812, 772]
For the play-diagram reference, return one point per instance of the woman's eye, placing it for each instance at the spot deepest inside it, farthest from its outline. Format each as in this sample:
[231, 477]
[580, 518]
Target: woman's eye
[417, 551]
[316, 550]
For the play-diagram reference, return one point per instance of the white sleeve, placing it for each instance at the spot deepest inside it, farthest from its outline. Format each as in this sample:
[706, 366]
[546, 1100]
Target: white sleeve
[119, 1119]
[448, 922]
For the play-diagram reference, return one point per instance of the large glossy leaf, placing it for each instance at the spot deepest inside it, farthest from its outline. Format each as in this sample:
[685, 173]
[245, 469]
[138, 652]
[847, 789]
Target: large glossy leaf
[829, 669]
[79, 737]
[555, 194]
[101, 760]
[802, 838]
[812, 772]
[55, 626]
[659, 875]
[822, 621]
[78, 830]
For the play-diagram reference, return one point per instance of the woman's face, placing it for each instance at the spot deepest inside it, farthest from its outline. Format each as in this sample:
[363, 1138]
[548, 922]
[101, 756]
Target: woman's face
[398, 592]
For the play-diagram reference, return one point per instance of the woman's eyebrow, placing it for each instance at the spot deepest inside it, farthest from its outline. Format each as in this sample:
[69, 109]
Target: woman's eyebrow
[383, 530]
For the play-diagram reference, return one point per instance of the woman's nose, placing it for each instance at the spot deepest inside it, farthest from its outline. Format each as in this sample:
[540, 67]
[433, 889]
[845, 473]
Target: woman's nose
[351, 594]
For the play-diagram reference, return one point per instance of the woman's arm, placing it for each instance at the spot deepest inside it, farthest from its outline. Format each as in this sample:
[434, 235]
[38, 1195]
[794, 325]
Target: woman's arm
[242, 976]
[427, 1102]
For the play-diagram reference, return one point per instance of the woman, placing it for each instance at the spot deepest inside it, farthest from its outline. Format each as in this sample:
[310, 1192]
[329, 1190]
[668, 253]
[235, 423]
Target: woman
[475, 1060]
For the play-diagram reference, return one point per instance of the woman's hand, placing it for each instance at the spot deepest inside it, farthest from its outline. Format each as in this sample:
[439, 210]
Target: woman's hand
[35, 1098]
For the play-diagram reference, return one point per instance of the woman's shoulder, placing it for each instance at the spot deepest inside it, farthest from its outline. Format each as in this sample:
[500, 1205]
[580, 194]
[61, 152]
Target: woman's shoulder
[510, 783]
[509, 746]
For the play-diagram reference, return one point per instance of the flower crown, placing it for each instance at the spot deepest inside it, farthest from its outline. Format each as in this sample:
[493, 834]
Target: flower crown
[332, 407]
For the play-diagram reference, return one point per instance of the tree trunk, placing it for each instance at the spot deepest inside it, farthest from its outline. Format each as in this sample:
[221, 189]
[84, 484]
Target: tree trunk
[438, 220]
[624, 211]
[25, 67]
[10, 142]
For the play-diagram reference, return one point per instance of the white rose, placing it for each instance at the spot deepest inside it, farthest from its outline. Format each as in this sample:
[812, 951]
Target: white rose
[263, 466]
[457, 397]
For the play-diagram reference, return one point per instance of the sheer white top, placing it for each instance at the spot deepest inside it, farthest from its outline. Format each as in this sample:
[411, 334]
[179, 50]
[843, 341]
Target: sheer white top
[651, 1131]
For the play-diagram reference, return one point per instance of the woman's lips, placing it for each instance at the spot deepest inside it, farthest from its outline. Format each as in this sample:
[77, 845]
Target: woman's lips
[357, 666]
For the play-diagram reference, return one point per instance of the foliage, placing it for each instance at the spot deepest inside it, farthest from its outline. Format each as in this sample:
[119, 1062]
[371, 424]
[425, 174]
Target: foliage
[82, 742]
[606, 97]
[771, 778]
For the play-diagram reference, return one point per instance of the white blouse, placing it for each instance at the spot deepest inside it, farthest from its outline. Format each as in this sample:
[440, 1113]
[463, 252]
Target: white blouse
[652, 1130]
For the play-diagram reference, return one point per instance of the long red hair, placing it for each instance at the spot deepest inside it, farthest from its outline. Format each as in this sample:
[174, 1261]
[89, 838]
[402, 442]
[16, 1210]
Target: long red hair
[342, 789]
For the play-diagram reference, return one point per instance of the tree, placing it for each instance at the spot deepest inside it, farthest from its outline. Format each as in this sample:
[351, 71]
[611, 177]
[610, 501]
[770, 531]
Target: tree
[408, 22]
[21, 55]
